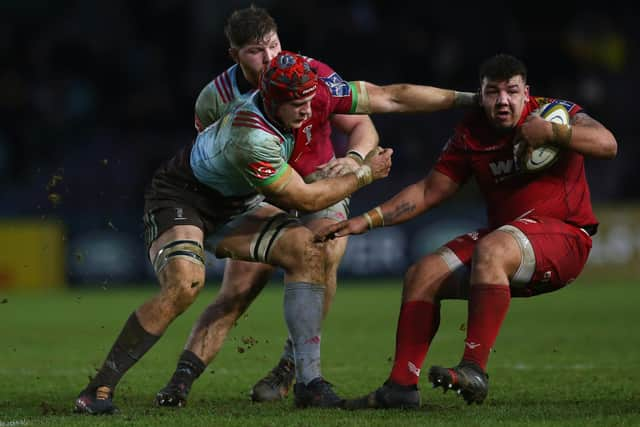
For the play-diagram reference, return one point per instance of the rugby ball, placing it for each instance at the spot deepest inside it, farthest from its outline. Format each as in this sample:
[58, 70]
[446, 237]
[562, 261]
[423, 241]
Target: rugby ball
[546, 155]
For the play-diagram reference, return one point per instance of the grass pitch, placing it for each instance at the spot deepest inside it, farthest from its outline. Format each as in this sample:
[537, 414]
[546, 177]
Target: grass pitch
[571, 358]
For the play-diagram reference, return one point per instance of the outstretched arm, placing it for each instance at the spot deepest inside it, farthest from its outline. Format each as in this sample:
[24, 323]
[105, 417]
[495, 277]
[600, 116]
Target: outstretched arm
[409, 98]
[407, 204]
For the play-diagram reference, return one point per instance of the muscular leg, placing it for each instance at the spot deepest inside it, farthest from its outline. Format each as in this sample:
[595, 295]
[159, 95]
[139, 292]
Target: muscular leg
[241, 283]
[290, 247]
[426, 282]
[496, 258]
[275, 385]
[334, 251]
[180, 282]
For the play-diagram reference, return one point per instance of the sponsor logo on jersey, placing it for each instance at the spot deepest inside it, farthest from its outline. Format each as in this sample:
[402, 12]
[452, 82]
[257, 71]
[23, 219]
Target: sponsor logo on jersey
[503, 169]
[262, 170]
[338, 87]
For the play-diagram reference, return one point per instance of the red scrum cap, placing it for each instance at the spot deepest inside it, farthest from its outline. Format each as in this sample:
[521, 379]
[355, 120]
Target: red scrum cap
[288, 76]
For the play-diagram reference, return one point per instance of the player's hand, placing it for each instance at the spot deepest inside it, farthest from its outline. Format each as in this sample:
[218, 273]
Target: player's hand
[356, 225]
[338, 167]
[379, 160]
[535, 131]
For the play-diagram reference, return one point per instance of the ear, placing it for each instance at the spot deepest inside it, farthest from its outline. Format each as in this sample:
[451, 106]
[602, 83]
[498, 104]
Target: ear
[526, 93]
[233, 53]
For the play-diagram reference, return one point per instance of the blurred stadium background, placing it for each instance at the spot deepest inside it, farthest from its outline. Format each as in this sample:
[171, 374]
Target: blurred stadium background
[94, 95]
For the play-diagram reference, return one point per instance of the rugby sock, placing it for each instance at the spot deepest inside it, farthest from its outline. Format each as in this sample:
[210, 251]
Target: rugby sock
[303, 314]
[287, 354]
[189, 368]
[417, 324]
[132, 343]
[487, 308]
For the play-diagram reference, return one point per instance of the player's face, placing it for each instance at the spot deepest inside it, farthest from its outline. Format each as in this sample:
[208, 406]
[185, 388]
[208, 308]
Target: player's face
[254, 56]
[503, 100]
[292, 114]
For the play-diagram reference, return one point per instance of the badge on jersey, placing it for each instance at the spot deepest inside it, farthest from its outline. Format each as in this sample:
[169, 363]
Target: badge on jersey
[338, 87]
[262, 170]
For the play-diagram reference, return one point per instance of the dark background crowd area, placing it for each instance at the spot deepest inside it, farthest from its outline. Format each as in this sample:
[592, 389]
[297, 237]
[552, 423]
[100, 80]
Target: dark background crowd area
[94, 95]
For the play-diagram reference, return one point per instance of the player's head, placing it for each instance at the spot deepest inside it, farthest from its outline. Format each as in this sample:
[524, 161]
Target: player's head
[253, 40]
[503, 90]
[287, 86]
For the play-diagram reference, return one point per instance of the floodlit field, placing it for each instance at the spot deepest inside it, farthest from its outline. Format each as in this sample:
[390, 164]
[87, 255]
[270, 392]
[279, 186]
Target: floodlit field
[569, 358]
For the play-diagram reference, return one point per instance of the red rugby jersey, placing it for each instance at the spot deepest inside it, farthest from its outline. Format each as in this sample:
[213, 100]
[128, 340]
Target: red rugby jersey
[477, 149]
[313, 139]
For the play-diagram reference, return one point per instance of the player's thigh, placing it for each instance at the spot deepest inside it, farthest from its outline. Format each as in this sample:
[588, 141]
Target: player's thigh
[334, 249]
[457, 255]
[316, 221]
[268, 235]
[497, 257]
[558, 250]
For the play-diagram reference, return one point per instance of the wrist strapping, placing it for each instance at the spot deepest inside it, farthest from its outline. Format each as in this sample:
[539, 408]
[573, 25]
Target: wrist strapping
[374, 218]
[364, 175]
[356, 156]
[464, 99]
[561, 134]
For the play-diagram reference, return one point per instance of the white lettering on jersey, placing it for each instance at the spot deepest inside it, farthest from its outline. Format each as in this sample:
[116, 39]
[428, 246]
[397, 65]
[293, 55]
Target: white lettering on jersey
[501, 168]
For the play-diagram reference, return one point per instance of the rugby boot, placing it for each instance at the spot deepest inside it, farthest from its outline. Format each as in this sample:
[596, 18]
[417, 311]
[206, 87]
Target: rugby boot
[390, 395]
[317, 394]
[275, 386]
[173, 394]
[468, 379]
[95, 401]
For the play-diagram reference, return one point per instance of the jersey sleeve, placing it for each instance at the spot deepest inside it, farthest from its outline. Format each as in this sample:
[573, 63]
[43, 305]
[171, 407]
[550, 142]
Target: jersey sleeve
[323, 70]
[209, 107]
[257, 155]
[454, 161]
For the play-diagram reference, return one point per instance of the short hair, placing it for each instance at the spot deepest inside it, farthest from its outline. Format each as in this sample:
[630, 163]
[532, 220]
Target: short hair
[248, 25]
[502, 67]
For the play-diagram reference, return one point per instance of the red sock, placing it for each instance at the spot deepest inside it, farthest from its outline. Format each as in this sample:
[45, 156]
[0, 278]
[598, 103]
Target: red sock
[488, 305]
[417, 324]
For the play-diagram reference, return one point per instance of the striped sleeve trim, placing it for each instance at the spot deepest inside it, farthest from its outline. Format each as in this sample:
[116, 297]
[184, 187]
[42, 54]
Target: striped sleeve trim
[252, 120]
[223, 86]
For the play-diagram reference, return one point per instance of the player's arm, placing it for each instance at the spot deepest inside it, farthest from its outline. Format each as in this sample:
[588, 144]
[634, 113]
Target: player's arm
[584, 135]
[407, 204]
[290, 191]
[408, 98]
[208, 107]
[362, 139]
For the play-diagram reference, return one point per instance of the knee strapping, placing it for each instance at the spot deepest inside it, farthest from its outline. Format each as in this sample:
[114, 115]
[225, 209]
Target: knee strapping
[189, 250]
[269, 234]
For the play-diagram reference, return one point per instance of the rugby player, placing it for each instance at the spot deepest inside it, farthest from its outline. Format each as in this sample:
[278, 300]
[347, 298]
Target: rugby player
[253, 42]
[537, 241]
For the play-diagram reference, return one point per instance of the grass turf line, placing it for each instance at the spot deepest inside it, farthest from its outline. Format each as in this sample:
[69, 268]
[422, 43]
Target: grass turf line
[570, 358]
